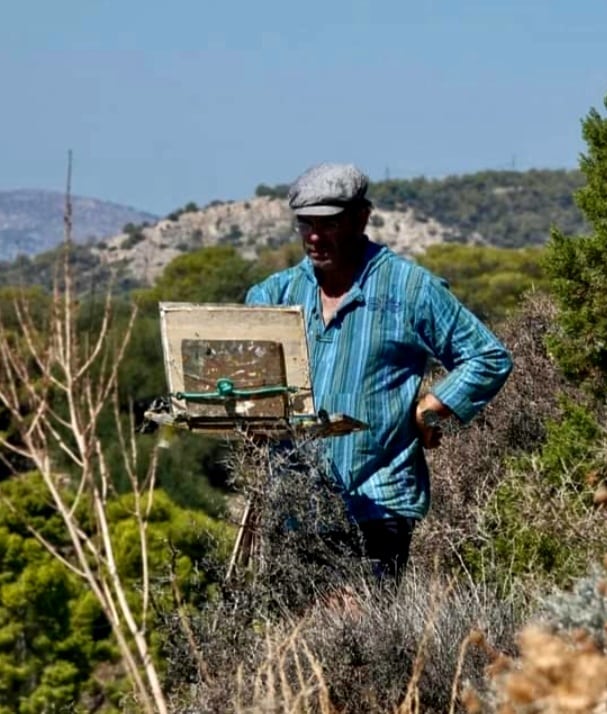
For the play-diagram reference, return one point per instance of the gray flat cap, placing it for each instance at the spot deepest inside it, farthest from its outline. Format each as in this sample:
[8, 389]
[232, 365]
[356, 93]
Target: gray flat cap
[327, 189]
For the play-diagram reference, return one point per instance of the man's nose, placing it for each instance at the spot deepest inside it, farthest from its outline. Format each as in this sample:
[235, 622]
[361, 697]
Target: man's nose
[315, 234]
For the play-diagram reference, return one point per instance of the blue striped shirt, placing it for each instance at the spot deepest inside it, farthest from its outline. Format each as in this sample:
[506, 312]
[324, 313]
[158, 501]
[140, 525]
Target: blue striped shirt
[369, 361]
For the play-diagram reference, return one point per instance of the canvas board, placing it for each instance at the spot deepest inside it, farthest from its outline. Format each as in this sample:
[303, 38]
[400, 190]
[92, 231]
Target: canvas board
[272, 345]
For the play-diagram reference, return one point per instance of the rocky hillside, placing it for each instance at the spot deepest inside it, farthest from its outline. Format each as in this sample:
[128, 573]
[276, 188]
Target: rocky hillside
[251, 226]
[507, 209]
[31, 221]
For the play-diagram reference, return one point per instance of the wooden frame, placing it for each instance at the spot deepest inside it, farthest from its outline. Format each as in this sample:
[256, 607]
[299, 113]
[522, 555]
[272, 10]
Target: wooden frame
[257, 355]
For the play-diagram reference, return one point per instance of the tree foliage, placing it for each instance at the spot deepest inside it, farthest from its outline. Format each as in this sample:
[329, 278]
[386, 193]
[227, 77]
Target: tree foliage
[190, 207]
[279, 191]
[490, 281]
[214, 274]
[54, 638]
[577, 267]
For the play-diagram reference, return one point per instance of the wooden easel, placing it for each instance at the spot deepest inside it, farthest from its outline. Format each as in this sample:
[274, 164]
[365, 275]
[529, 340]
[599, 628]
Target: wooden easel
[234, 367]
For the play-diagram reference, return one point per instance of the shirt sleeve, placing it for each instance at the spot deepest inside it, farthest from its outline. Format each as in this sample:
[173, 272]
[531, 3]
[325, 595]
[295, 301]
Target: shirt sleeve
[258, 295]
[274, 290]
[477, 363]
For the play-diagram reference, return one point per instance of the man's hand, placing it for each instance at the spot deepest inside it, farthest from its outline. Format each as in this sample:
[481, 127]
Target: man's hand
[429, 412]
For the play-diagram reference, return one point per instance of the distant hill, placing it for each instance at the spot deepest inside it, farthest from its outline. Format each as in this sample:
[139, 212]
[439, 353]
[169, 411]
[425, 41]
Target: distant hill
[31, 221]
[506, 209]
[509, 209]
[251, 227]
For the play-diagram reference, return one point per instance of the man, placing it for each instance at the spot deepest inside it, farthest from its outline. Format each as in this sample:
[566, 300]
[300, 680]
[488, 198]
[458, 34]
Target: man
[373, 321]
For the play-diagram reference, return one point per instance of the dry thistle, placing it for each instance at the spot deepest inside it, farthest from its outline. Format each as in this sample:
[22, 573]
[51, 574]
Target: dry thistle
[553, 675]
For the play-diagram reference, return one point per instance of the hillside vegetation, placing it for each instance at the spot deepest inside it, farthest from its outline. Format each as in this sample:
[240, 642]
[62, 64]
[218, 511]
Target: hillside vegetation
[504, 209]
[509, 209]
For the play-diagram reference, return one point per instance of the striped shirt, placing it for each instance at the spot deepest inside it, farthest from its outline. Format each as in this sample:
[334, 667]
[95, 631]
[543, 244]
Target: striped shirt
[369, 361]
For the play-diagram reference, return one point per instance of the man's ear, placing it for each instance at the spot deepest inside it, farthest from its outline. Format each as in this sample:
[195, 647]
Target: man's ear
[363, 217]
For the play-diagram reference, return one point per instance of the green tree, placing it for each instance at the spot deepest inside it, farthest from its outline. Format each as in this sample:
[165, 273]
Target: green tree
[54, 636]
[213, 274]
[279, 191]
[488, 280]
[577, 266]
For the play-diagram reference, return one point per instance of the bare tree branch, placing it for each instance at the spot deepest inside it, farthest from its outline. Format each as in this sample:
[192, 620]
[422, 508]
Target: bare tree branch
[55, 389]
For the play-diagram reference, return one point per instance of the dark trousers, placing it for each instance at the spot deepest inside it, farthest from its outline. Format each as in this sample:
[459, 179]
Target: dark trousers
[386, 543]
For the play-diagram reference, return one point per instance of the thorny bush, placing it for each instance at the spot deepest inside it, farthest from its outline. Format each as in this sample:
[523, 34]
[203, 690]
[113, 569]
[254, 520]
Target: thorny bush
[474, 460]
[305, 622]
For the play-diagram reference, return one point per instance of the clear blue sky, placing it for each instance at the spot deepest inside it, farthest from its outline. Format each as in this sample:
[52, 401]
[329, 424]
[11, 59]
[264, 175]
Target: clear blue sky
[194, 100]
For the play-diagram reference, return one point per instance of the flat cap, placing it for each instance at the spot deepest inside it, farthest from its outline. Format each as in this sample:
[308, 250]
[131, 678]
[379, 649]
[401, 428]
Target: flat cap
[327, 189]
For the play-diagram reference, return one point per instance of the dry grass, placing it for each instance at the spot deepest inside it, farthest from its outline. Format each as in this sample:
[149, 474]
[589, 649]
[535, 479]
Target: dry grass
[373, 648]
[441, 668]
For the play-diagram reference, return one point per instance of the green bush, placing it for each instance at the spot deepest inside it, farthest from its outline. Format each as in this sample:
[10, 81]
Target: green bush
[571, 449]
[132, 240]
[54, 638]
[540, 523]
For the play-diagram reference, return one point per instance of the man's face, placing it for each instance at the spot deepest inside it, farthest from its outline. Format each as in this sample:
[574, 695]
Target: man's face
[331, 242]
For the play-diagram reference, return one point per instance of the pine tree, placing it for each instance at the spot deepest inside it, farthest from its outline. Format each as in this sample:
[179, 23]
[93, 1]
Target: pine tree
[577, 267]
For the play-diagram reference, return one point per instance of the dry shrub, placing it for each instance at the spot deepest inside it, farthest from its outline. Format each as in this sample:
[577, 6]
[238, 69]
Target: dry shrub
[290, 679]
[472, 460]
[309, 629]
[299, 547]
[553, 675]
[409, 649]
[372, 650]
[301, 542]
[562, 662]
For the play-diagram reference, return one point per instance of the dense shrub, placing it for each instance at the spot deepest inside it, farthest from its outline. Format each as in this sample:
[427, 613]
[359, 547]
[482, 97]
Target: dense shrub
[309, 623]
[54, 639]
[510, 492]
